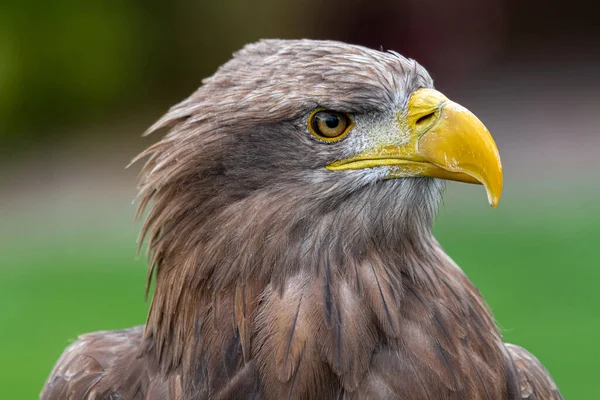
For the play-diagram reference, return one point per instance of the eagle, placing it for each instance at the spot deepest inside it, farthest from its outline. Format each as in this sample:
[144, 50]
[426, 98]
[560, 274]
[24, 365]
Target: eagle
[288, 216]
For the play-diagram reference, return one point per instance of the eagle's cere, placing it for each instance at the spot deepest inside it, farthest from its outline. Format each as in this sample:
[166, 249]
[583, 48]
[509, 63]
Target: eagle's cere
[289, 228]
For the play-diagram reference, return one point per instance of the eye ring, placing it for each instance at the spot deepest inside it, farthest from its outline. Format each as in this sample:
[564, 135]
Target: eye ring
[329, 126]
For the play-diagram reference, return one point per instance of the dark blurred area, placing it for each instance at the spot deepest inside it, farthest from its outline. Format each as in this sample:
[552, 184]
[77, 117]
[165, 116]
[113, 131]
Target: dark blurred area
[68, 64]
[81, 81]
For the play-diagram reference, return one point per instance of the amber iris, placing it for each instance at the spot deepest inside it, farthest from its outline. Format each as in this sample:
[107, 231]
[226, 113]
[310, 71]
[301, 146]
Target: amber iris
[329, 126]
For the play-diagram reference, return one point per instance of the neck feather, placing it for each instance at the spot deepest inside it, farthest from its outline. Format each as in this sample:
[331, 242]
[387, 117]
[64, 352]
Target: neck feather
[202, 254]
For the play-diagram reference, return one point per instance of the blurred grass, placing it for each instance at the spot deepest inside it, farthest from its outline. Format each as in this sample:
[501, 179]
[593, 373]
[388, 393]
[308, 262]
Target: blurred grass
[536, 266]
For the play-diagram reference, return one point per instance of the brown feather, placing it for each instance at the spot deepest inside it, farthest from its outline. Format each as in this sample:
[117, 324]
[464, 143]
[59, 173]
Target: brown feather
[276, 278]
[534, 380]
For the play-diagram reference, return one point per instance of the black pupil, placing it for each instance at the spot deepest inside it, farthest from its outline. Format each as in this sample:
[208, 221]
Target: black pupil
[332, 121]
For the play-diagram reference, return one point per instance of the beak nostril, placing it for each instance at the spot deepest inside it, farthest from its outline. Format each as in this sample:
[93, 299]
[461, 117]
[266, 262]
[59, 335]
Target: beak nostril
[425, 118]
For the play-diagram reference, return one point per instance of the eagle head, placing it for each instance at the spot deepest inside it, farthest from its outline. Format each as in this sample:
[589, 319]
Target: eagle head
[297, 153]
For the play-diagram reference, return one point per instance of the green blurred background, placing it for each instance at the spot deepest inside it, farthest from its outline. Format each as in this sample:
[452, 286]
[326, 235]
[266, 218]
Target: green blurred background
[80, 81]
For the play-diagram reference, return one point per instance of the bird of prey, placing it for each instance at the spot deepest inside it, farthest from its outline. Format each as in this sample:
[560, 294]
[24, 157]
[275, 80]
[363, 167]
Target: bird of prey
[289, 226]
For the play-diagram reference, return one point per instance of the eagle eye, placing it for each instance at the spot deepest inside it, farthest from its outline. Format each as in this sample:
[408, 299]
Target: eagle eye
[329, 126]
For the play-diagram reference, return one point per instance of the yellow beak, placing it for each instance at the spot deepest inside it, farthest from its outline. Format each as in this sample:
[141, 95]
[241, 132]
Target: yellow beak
[445, 141]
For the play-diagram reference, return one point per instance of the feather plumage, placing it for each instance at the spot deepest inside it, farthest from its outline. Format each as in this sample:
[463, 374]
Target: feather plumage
[277, 279]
